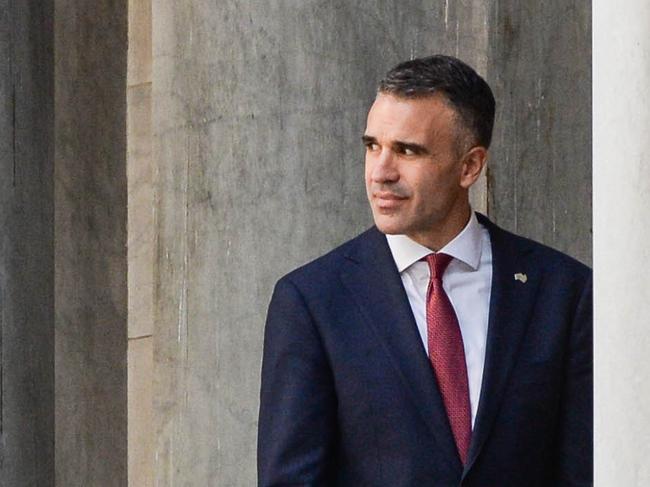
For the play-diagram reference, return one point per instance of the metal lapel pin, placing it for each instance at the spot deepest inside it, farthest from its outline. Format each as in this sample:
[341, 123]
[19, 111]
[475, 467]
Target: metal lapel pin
[521, 277]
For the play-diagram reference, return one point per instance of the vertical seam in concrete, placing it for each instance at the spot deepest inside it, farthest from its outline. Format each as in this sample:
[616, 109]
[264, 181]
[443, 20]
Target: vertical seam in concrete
[13, 155]
[2, 382]
[13, 125]
[185, 248]
[12, 59]
[515, 184]
[446, 14]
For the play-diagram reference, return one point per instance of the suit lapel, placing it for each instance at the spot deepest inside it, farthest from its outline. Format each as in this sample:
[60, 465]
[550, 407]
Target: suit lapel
[511, 304]
[374, 283]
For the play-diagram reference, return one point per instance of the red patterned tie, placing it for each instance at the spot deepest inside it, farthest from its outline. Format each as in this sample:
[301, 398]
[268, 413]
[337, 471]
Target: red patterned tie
[447, 354]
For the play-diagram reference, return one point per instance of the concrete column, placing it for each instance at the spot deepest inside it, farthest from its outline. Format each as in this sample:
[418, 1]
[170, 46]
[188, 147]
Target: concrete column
[90, 242]
[621, 40]
[258, 110]
[26, 246]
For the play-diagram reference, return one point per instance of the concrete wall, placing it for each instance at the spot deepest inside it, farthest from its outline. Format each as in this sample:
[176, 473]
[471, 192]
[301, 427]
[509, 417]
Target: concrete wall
[621, 235]
[26, 246]
[90, 288]
[257, 113]
[539, 65]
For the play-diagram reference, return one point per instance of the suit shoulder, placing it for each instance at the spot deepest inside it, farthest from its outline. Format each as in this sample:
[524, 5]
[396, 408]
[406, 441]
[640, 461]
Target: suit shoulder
[325, 268]
[551, 259]
[559, 260]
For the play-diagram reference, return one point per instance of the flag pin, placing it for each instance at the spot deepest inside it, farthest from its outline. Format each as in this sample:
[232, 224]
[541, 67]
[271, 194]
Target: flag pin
[521, 277]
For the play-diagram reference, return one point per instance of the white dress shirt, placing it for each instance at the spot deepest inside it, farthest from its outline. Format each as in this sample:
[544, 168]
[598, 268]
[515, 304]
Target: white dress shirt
[467, 281]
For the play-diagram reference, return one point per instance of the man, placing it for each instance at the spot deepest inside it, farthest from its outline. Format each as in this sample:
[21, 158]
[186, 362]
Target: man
[435, 349]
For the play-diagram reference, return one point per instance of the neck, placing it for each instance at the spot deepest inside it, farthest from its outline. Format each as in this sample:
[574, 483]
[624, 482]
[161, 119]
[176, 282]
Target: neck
[444, 231]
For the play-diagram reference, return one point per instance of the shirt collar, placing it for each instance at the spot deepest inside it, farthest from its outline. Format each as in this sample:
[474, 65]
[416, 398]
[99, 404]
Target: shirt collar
[466, 247]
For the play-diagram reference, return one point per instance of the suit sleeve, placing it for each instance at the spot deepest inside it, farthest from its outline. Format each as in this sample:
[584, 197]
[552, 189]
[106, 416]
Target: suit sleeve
[297, 400]
[575, 449]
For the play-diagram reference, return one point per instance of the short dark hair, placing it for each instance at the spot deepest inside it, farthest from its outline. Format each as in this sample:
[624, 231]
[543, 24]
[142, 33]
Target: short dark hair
[463, 88]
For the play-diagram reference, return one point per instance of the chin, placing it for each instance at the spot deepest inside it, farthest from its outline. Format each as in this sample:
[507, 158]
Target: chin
[389, 226]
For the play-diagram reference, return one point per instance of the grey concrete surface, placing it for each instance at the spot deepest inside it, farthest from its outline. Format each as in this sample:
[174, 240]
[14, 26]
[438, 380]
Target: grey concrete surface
[540, 170]
[258, 111]
[26, 247]
[90, 243]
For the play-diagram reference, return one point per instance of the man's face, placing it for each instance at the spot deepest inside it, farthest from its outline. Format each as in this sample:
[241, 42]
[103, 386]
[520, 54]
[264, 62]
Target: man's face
[415, 178]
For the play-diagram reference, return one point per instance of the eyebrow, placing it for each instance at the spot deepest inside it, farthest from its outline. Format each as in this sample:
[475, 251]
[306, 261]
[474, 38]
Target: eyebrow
[415, 148]
[399, 145]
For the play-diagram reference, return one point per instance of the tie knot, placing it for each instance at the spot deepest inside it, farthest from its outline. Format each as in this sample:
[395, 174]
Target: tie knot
[437, 264]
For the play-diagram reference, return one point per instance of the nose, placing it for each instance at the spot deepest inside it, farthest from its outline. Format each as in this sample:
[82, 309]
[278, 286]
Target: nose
[383, 167]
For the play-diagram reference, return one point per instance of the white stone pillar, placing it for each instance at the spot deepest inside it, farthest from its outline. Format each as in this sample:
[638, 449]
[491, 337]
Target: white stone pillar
[621, 184]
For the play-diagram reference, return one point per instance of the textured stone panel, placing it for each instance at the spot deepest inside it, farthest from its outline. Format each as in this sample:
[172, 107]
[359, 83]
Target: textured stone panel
[540, 170]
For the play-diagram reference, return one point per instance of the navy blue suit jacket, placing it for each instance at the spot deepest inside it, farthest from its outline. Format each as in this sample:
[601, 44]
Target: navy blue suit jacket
[348, 396]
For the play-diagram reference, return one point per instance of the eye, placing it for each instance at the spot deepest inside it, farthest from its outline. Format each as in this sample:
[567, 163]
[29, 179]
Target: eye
[371, 146]
[405, 150]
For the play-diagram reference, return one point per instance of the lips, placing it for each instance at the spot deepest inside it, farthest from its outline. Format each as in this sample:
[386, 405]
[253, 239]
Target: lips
[388, 200]
[384, 195]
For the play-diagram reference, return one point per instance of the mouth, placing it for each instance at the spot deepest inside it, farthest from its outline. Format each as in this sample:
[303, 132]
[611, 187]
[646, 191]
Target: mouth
[386, 200]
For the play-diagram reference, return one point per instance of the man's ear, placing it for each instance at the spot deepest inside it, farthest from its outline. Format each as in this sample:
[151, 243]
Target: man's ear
[472, 165]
